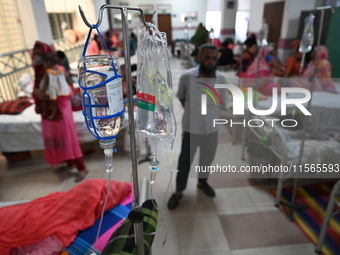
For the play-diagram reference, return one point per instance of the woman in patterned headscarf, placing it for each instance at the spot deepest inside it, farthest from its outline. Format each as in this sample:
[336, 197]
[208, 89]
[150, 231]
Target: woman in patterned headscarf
[323, 69]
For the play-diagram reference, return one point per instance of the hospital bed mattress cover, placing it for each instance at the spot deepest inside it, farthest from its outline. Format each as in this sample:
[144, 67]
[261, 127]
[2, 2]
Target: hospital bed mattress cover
[22, 132]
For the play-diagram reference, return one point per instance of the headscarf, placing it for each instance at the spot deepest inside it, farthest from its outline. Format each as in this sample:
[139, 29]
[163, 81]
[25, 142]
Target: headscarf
[295, 43]
[322, 55]
[38, 68]
[322, 52]
[323, 70]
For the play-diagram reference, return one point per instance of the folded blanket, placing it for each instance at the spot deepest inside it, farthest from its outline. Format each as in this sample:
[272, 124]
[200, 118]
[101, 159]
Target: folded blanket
[14, 106]
[61, 214]
[85, 240]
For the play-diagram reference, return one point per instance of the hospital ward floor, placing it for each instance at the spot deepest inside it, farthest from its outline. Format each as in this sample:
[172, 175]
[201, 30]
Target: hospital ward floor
[240, 220]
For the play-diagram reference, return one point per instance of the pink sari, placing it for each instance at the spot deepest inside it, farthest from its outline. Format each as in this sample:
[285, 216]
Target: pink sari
[60, 136]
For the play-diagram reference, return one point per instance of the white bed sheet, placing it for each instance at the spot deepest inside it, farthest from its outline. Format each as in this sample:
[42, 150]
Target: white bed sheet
[315, 152]
[22, 132]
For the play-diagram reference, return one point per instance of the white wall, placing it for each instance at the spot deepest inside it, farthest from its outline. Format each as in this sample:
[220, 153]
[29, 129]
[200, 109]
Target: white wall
[34, 21]
[228, 20]
[91, 12]
[104, 26]
[228, 15]
[243, 5]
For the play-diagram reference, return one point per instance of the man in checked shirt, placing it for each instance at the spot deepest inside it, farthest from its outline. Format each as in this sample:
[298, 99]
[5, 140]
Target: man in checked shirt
[198, 129]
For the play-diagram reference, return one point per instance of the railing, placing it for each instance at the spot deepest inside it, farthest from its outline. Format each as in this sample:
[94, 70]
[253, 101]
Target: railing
[72, 51]
[14, 64]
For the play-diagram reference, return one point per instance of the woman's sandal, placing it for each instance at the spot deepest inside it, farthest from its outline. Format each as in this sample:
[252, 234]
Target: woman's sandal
[81, 175]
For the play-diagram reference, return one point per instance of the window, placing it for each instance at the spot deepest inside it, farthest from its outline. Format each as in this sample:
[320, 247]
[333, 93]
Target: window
[59, 23]
[213, 23]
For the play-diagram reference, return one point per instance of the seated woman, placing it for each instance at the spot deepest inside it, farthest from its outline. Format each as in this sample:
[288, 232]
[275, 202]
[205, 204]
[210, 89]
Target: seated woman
[248, 56]
[265, 67]
[322, 69]
[292, 64]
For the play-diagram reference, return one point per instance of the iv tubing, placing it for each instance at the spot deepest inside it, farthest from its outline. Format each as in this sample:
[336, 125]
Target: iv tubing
[102, 213]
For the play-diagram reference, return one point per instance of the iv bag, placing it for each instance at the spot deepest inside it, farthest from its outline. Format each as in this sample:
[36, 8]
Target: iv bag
[102, 95]
[308, 35]
[154, 85]
[263, 34]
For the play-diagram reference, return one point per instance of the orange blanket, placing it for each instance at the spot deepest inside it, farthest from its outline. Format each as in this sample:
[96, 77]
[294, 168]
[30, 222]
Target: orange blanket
[61, 214]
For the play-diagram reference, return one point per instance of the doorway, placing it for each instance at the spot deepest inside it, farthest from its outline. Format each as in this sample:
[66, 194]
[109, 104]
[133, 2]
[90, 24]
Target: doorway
[273, 13]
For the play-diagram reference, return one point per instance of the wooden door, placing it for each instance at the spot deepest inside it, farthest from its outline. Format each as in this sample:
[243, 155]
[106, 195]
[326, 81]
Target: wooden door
[273, 13]
[164, 24]
[148, 17]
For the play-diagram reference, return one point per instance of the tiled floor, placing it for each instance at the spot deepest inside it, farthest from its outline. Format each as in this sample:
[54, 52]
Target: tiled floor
[241, 220]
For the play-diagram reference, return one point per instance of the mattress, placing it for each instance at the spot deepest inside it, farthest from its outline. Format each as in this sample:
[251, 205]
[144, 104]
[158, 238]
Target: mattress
[314, 152]
[22, 132]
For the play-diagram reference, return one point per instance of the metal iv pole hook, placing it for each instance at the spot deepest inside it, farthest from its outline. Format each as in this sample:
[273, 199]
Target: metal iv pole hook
[100, 16]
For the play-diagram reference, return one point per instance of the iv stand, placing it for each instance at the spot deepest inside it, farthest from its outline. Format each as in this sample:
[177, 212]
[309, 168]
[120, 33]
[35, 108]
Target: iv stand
[292, 206]
[136, 216]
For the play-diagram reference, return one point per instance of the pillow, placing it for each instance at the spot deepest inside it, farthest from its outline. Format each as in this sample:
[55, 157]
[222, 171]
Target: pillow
[14, 106]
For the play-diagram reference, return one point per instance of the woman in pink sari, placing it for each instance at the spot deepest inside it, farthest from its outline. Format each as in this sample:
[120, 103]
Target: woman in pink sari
[323, 70]
[59, 135]
[265, 67]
